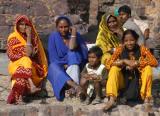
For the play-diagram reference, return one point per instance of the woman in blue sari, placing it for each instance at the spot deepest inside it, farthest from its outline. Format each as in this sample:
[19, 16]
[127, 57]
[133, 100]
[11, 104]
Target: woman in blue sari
[67, 54]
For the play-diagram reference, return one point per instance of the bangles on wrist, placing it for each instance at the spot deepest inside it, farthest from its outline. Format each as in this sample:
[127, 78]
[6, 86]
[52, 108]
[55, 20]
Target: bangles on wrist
[118, 62]
[136, 63]
[73, 36]
[29, 44]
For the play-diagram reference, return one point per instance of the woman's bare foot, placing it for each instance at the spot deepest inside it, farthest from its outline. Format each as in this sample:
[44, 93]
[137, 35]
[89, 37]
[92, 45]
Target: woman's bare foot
[109, 104]
[78, 90]
[147, 105]
[34, 89]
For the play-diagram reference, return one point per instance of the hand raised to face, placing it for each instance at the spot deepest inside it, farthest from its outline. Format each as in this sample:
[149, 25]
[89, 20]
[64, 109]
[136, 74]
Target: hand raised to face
[28, 31]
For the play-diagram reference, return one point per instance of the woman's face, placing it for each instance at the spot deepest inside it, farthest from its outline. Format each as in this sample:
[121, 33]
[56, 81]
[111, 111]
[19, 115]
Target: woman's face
[112, 23]
[129, 41]
[22, 26]
[63, 27]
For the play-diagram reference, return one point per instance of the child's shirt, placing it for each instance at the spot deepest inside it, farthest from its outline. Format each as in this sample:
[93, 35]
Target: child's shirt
[99, 71]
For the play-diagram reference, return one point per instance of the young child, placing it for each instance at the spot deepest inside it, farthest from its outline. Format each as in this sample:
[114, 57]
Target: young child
[93, 76]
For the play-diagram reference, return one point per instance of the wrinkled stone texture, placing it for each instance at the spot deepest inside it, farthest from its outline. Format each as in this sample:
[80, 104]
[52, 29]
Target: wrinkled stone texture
[83, 13]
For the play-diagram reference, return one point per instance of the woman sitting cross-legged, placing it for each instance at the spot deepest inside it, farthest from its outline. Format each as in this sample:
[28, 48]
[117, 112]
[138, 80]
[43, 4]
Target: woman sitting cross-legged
[28, 64]
[130, 68]
[67, 54]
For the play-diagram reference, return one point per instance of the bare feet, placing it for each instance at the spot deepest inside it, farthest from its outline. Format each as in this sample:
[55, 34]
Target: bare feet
[147, 105]
[34, 89]
[78, 90]
[109, 104]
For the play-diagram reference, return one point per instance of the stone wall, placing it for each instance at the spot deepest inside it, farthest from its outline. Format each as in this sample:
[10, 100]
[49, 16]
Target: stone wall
[83, 13]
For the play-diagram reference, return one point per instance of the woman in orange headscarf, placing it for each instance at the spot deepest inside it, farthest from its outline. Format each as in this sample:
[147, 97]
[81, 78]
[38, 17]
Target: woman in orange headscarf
[28, 64]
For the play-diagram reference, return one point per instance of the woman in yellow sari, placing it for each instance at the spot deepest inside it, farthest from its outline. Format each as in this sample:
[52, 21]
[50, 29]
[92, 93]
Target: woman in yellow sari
[109, 36]
[28, 63]
[130, 68]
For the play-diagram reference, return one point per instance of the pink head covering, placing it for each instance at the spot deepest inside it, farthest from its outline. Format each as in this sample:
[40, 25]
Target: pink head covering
[23, 18]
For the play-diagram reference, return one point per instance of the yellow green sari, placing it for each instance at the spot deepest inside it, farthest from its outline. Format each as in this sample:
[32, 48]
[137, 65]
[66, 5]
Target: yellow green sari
[106, 40]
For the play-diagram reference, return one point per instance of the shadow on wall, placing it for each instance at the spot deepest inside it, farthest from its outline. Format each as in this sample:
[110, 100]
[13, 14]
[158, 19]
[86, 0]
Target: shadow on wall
[91, 36]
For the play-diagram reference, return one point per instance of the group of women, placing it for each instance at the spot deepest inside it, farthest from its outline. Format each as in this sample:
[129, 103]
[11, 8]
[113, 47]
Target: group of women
[67, 56]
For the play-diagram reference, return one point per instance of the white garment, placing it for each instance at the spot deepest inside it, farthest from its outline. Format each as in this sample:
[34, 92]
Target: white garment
[130, 24]
[156, 72]
[142, 24]
[74, 72]
[98, 72]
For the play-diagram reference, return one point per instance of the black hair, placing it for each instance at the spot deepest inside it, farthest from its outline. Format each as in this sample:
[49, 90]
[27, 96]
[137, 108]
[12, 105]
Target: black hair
[132, 32]
[125, 9]
[63, 18]
[96, 50]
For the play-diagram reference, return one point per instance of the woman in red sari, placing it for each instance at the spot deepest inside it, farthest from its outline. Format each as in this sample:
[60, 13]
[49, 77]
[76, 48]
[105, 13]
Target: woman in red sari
[28, 64]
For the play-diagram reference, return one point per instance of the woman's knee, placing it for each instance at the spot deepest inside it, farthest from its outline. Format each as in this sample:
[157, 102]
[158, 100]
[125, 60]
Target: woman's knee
[114, 70]
[147, 69]
[26, 59]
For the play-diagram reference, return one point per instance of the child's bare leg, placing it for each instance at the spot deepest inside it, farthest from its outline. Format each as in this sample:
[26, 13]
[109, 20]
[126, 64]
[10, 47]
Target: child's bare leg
[33, 87]
[84, 85]
[98, 88]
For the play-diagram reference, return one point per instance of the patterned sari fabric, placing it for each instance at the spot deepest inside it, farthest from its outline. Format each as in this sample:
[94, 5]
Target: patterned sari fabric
[22, 67]
[106, 40]
[116, 77]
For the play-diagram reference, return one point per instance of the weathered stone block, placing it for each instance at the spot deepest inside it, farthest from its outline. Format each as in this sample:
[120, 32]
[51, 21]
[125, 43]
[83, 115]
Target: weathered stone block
[31, 111]
[4, 31]
[44, 111]
[60, 7]
[2, 20]
[42, 20]
[61, 110]
[39, 9]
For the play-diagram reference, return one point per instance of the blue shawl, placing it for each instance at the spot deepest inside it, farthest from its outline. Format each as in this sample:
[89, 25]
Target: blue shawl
[60, 53]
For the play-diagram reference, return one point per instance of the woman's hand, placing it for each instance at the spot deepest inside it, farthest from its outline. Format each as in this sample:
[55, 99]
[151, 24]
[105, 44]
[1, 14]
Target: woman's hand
[131, 63]
[73, 42]
[28, 31]
[28, 50]
[73, 31]
[119, 63]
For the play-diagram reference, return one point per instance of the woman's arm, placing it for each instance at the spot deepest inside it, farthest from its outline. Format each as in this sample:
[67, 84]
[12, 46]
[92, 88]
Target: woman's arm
[14, 50]
[114, 59]
[147, 58]
[73, 40]
[29, 46]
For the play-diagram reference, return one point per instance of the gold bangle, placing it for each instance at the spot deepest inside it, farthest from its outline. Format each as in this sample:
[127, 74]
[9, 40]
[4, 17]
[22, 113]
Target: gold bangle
[136, 63]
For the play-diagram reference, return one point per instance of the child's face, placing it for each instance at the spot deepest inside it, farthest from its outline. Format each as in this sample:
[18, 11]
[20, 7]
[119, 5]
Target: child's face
[93, 59]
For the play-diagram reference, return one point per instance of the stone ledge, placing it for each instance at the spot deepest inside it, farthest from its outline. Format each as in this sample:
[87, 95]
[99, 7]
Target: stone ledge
[71, 110]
